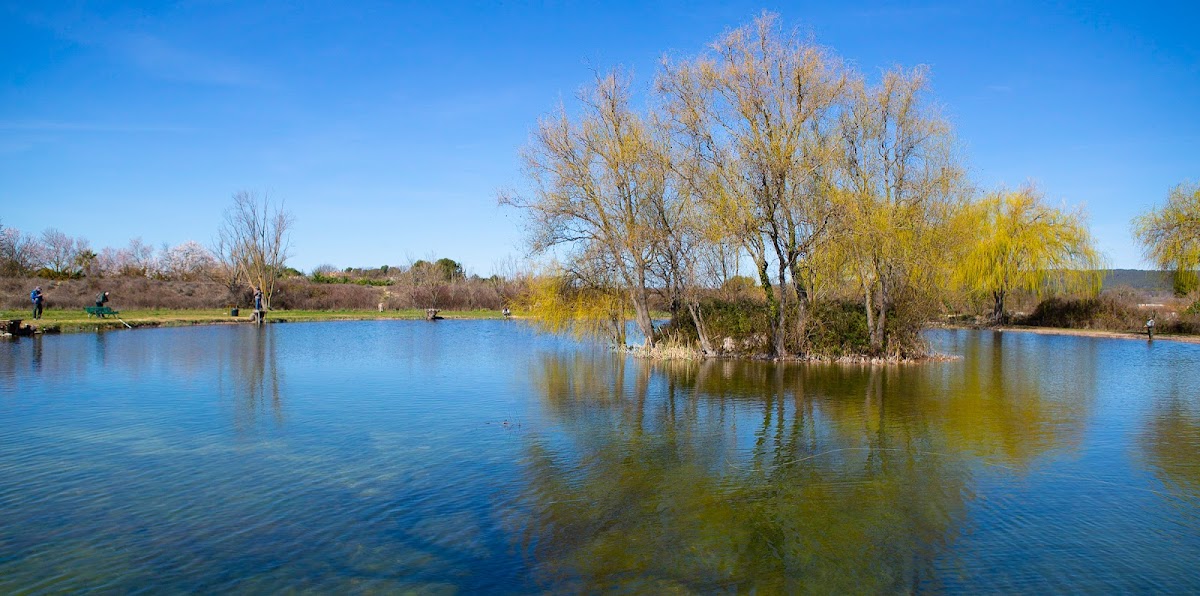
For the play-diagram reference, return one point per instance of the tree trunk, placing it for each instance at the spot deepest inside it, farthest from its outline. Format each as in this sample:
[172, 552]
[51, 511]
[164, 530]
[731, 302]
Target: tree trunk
[701, 331]
[773, 310]
[641, 314]
[881, 320]
[998, 317]
[868, 291]
[802, 302]
[781, 319]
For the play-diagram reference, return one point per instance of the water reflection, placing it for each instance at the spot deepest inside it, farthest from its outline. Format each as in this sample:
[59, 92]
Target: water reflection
[735, 475]
[251, 378]
[101, 347]
[348, 457]
[1170, 440]
[1006, 401]
[36, 364]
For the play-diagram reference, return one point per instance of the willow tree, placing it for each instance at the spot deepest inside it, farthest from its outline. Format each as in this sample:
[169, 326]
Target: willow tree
[565, 300]
[253, 243]
[597, 181]
[1170, 235]
[1020, 243]
[755, 112]
[898, 187]
[691, 253]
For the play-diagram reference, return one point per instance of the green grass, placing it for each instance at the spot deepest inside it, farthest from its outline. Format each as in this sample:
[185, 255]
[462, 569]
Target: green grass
[72, 320]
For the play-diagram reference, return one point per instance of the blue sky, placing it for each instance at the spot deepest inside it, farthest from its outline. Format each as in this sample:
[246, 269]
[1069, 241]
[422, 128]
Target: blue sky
[388, 127]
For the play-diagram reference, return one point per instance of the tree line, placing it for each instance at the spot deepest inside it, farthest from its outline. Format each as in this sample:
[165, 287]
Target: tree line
[251, 250]
[54, 254]
[771, 150]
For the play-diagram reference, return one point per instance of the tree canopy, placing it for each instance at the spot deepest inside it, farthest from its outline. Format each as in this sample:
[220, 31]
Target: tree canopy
[770, 149]
[1170, 235]
[1023, 244]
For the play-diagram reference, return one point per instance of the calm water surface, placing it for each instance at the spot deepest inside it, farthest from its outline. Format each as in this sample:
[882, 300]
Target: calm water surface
[482, 457]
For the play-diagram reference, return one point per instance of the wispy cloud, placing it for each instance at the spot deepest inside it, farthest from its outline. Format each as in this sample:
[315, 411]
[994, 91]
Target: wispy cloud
[157, 56]
[1000, 88]
[161, 59]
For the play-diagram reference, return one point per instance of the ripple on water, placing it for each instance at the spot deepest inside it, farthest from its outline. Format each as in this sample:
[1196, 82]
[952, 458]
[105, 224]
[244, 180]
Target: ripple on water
[482, 457]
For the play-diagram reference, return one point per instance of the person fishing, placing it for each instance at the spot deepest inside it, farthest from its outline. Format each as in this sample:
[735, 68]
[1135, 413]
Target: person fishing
[1150, 326]
[101, 298]
[258, 305]
[37, 298]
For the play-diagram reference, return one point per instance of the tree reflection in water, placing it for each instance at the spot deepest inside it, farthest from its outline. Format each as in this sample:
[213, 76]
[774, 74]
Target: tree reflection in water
[1170, 439]
[252, 378]
[737, 475]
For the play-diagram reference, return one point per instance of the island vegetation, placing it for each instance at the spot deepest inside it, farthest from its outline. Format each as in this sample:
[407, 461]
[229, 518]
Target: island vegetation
[764, 197]
[848, 198]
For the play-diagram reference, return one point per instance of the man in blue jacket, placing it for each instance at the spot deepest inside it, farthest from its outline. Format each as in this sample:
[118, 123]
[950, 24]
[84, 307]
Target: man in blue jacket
[38, 299]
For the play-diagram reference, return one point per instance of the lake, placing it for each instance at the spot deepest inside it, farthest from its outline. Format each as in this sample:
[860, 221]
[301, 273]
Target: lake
[482, 456]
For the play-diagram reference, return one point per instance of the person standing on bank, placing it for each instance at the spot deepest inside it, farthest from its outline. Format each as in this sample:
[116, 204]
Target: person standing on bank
[258, 305]
[36, 297]
[101, 298]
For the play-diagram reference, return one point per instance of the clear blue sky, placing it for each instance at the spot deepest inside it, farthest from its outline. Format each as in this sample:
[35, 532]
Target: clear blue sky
[388, 128]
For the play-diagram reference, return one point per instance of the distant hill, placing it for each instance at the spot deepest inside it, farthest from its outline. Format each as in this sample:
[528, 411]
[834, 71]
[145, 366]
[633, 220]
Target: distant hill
[1151, 281]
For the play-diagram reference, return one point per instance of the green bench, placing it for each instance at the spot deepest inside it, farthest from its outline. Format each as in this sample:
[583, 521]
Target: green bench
[100, 311]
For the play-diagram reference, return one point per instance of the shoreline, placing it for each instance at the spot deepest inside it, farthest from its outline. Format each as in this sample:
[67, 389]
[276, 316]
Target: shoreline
[59, 322]
[1100, 333]
[677, 353]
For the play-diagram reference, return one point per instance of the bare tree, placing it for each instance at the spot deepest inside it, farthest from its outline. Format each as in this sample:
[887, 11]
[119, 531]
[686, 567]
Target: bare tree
[186, 261]
[19, 253]
[136, 260]
[253, 242]
[59, 251]
[755, 116]
[597, 183]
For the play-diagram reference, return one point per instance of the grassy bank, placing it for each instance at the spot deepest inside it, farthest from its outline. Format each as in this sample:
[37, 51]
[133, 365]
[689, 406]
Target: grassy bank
[70, 320]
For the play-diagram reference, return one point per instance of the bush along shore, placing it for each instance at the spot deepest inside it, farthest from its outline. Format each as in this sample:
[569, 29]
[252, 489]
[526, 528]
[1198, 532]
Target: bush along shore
[1120, 313]
[835, 331]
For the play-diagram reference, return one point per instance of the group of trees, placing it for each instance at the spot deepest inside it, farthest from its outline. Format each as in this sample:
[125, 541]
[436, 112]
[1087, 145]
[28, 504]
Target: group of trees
[770, 149]
[251, 250]
[437, 283]
[57, 255]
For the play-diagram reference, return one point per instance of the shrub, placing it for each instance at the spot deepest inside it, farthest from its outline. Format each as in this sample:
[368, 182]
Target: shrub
[1107, 311]
[838, 328]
